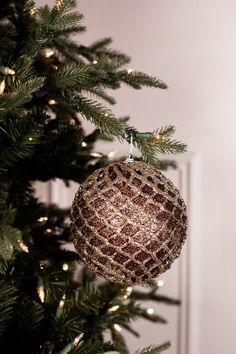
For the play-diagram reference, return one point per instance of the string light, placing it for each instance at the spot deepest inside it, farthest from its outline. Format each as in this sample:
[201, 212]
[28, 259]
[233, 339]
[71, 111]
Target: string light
[113, 308]
[62, 302]
[95, 62]
[111, 154]
[77, 339]
[129, 71]
[150, 311]
[41, 293]
[7, 71]
[23, 246]
[65, 267]
[96, 154]
[2, 86]
[83, 144]
[32, 10]
[42, 219]
[30, 139]
[128, 292]
[160, 283]
[58, 4]
[55, 67]
[44, 263]
[72, 121]
[48, 52]
[48, 231]
[117, 327]
[52, 102]
[157, 136]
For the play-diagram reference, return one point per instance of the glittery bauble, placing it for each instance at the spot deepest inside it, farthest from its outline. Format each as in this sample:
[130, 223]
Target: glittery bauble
[128, 222]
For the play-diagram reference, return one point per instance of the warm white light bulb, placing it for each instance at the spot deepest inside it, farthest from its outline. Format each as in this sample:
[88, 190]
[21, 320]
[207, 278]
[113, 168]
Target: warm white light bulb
[48, 231]
[23, 246]
[8, 71]
[51, 102]
[61, 304]
[41, 293]
[160, 283]
[65, 267]
[150, 311]
[117, 327]
[113, 308]
[32, 11]
[48, 52]
[43, 218]
[2, 86]
[95, 154]
[83, 144]
[111, 154]
[129, 290]
[77, 339]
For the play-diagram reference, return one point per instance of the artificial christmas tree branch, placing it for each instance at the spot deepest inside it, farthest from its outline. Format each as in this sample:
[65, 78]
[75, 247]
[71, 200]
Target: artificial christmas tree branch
[49, 84]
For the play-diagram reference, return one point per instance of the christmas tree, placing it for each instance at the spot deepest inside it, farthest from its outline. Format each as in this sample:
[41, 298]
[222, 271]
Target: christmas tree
[48, 84]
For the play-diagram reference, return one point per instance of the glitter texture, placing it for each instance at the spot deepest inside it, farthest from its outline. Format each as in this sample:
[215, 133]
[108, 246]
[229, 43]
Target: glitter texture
[128, 222]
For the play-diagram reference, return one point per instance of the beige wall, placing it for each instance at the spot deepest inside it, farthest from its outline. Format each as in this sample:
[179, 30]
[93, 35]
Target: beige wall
[190, 44]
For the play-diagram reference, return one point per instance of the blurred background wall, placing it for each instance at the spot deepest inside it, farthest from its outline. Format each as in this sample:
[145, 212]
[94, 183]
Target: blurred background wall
[191, 45]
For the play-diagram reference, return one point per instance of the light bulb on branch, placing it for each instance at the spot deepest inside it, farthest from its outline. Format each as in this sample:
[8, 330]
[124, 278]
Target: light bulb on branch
[6, 71]
[113, 308]
[23, 246]
[2, 86]
[58, 4]
[48, 52]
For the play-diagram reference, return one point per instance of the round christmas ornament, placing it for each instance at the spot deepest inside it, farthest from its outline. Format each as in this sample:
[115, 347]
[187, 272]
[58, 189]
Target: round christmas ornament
[128, 222]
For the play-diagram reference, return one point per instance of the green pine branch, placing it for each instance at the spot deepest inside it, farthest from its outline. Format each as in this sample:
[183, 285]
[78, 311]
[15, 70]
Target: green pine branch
[66, 21]
[64, 6]
[101, 50]
[71, 30]
[100, 44]
[100, 94]
[8, 300]
[100, 116]
[152, 295]
[137, 80]
[56, 20]
[165, 131]
[21, 95]
[20, 138]
[32, 315]
[154, 349]
[71, 75]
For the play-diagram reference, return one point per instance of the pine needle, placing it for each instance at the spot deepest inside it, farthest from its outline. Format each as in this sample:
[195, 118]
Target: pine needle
[154, 349]
[8, 299]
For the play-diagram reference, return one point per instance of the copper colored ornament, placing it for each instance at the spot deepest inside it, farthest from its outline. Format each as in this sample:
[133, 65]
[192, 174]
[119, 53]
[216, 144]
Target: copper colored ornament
[129, 222]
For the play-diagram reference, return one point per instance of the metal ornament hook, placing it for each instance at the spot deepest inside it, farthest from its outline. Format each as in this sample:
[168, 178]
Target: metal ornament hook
[130, 158]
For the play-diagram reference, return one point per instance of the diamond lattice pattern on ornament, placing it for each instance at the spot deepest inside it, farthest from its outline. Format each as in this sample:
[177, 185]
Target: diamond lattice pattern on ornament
[129, 222]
